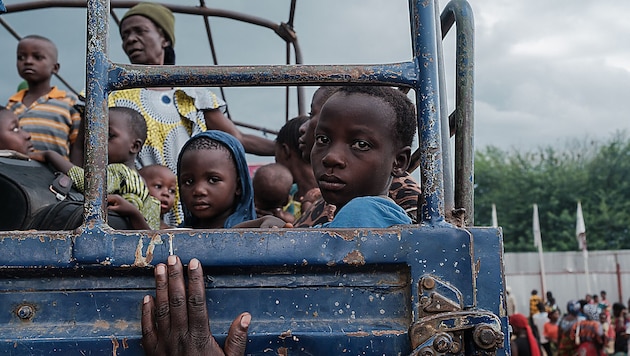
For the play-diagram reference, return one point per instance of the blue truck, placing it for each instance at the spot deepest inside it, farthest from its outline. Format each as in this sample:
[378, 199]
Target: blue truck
[434, 288]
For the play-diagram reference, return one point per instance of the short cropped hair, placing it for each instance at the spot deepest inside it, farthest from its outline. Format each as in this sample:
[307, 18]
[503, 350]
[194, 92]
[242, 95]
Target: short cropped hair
[136, 121]
[45, 39]
[289, 134]
[405, 120]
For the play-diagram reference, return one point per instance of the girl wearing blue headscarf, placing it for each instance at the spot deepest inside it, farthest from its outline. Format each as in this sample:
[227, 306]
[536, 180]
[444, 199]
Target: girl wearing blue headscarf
[214, 182]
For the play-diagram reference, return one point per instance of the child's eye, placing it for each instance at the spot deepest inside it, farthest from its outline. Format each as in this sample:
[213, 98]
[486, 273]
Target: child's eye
[214, 180]
[172, 191]
[157, 186]
[361, 145]
[15, 129]
[188, 182]
[20, 57]
[321, 139]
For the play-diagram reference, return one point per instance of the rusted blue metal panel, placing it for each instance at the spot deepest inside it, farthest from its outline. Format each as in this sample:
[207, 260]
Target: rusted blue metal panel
[317, 292]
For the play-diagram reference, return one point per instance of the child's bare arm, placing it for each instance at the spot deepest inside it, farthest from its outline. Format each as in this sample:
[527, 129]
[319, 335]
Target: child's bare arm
[54, 159]
[265, 222]
[120, 205]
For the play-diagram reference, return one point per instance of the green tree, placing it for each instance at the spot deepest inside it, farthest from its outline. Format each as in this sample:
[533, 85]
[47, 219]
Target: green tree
[593, 173]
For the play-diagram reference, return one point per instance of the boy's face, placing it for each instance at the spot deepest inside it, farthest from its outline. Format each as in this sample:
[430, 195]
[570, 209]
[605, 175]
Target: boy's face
[36, 60]
[122, 143]
[142, 40]
[355, 153]
[162, 184]
[208, 185]
[12, 137]
[307, 130]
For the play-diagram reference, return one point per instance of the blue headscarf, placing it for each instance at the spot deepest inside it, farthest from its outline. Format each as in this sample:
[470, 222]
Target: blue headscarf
[245, 209]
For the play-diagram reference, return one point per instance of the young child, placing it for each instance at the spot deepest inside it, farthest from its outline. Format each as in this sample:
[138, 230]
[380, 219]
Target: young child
[46, 112]
[288, 154]
[214, 183]
[272, 190]
[162, 184]
[362, 140]
[315, 210]
[127, 132]
[12, 137]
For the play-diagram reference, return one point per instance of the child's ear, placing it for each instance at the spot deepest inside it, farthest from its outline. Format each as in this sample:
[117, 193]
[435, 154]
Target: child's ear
[56, 68]
[401, 161]
[136, 146]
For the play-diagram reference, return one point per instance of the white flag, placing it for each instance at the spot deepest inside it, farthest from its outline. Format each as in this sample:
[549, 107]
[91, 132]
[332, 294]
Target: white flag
[495, 221]
[580, 229]
[536, 228]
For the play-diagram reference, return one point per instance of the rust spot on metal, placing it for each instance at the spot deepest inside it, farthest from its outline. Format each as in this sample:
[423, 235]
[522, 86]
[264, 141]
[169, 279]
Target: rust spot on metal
[354, 258]
[388, 332]
[125, 345]
[115, 346]
[141, 260]
[101, 324]
[121, 324]
[285, 334]
[283, 351]
[358, 334]
[346, 235]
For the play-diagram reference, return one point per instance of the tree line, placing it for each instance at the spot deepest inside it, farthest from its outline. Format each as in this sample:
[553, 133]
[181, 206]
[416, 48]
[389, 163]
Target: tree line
[595, 173]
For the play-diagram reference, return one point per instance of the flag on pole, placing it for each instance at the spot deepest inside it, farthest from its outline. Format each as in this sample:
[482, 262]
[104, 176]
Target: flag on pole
[495, 221]
[580, 229]
[536, 228]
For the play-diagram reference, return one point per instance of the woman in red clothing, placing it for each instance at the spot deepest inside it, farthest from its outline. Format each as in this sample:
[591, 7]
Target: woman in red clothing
[550, 331]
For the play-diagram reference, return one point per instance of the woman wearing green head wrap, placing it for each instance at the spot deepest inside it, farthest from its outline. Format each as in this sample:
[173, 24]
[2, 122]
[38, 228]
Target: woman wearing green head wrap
[173, 115]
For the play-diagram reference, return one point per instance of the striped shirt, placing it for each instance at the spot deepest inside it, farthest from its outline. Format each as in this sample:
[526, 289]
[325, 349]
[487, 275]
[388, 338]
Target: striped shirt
[52, 120]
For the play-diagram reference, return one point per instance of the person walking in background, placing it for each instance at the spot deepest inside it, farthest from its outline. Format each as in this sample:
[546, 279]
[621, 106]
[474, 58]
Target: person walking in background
[524, 342]
[511, 301]
[550, 332]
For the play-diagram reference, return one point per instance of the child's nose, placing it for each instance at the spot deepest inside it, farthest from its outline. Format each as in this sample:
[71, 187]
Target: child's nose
[334, 158]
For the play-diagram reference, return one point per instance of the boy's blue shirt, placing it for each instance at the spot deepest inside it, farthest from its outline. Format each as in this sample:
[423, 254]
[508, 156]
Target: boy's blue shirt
[369, 212]
[245, 209]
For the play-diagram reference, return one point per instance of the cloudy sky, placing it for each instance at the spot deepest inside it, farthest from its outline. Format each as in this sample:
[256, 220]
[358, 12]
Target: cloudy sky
[546, 72]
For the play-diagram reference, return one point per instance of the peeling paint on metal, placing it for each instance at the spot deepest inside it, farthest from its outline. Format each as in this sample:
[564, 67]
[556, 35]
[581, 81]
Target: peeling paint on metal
[143, 261]
[354, 258]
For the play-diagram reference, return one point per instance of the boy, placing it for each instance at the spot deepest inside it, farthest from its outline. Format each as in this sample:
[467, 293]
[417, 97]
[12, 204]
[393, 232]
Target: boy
[127, 132]
[272, 191]
[162, 184]
[214, 183]
[12, 137]
[362, 140]
[288, 154]
[315, 210]
[46, 112]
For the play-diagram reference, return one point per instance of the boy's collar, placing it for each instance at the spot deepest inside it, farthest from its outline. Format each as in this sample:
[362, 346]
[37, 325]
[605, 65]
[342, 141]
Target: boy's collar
[54, 93]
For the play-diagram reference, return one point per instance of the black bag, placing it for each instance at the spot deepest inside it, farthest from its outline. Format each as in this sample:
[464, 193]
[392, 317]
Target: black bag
[32, 196]
[68, 215]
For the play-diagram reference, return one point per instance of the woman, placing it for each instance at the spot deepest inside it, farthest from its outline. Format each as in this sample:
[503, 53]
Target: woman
[173, 115]
[524, 342]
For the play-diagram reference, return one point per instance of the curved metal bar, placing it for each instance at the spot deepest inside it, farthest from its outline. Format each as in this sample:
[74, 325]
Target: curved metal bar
[460, 13]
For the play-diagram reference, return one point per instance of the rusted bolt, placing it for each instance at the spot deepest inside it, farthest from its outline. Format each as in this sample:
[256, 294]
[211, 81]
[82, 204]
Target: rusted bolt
[428, 283]
[456, 347]
[442, 342]
[426, 351]
[485, 337]
[25, 312]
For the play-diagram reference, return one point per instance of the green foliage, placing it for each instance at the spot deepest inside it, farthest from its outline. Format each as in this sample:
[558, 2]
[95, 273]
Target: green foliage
[596, 174]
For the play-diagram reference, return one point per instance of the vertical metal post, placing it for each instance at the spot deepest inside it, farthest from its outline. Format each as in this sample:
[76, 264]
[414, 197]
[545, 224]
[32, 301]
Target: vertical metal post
[424, 42]
[96, 110]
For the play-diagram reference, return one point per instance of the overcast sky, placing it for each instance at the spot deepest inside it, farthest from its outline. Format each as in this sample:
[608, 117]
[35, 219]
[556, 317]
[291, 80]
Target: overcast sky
[546, 71]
